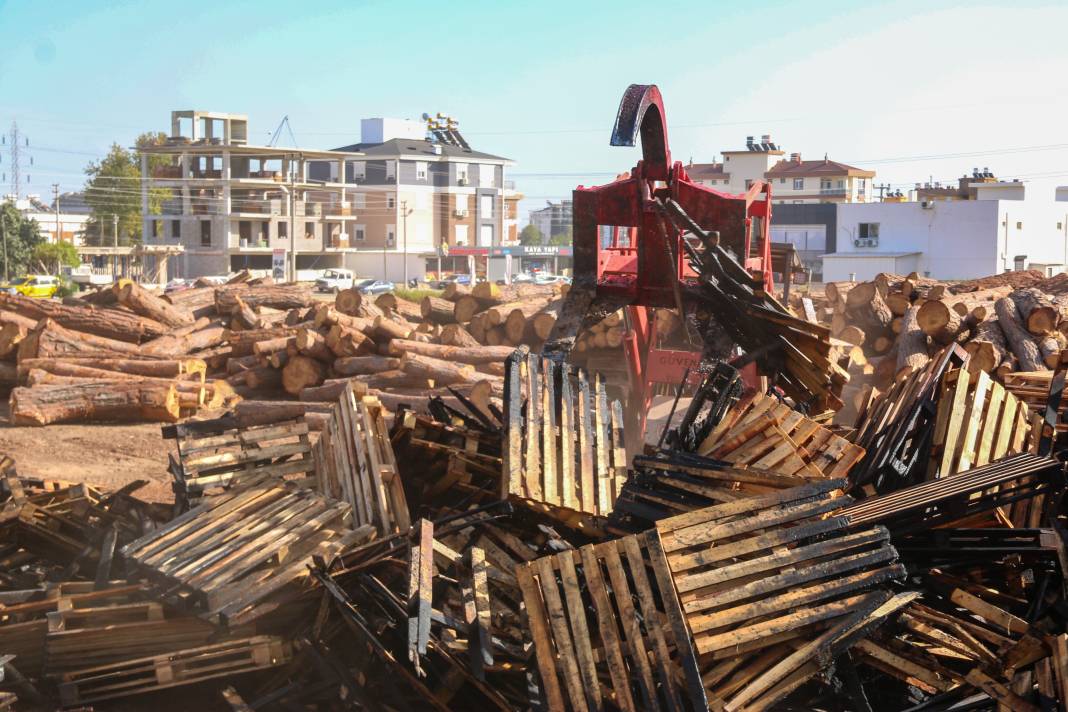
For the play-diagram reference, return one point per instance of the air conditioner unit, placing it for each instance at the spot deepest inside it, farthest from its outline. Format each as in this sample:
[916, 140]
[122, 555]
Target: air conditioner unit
[462, 180]
[927, 204]
[858, 242]
[460, 212]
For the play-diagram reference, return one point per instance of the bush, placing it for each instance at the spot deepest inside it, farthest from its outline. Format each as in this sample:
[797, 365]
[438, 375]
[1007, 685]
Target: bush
[66, 289]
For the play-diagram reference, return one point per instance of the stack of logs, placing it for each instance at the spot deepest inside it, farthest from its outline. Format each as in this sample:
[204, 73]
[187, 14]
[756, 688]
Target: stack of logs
[129, 354]
[894, 324]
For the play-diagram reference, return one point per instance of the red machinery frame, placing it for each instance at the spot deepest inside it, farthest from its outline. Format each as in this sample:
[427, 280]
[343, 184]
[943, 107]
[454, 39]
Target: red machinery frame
[650, 269]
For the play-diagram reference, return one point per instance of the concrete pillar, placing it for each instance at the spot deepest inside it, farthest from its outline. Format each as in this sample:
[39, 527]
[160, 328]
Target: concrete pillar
[145, 231]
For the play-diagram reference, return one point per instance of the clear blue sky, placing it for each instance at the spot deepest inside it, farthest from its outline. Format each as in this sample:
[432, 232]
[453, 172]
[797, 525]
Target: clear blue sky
[910, 89]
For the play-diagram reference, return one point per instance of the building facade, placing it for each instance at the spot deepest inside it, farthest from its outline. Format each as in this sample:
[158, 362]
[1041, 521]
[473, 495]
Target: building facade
[553, 219]
[381, 212]
[793, 180]
[64, 220]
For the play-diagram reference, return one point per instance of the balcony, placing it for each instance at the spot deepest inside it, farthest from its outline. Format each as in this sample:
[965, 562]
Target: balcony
[834, 191]
[167, 172]
[256, 206]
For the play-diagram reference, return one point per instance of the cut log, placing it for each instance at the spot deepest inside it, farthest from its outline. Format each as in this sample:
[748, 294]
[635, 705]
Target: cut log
[148, 304]
[244, 316]
[178, 345]
[9, 376]
[472, 356]
[466, 307]
[499, 313]
[269, 346]
[331, 390]
[117, 324]
[98, 401]
[345, 341]
[912, 343]
[250, 413]
[311, 343]
[477, 328]
[276, 296]
[11, 335]
[49, 340]
[837, 291]
[1037, 311]
[439, 311]
[386, 329]
[487, 291]
[456, 335]
[365, 365]
[441, 372]
[1050, 346]
[454, 291]
[898, 303]
[861, 294]
[852, 335]
[263, 378]
[407, 310]
[300, 372]
[668, 323]
[116, 368]
[1019, 339]
[327, 316]
[242, 343]
[348, 301]
[872, 315]
[939, 321]
[987, 350]
[396, 379]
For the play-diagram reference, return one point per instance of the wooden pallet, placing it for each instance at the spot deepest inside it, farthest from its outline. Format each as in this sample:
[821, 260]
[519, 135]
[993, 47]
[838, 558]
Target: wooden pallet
[184, 667]
[354, 463]
[764, 433]
[217, 453]
[233, 555]
[608, 630]
[564, 446]
[769, 583]
[8, 700]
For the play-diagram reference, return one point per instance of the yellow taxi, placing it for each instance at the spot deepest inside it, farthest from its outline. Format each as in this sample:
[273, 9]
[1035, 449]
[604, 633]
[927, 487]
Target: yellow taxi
[41, 286]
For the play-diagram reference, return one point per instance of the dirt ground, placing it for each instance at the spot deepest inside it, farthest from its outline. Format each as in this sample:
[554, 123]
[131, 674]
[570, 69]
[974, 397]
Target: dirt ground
[109, 456]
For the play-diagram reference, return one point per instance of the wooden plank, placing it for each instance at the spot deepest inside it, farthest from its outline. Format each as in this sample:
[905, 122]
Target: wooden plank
[550, 483]
[513, 450]
[558, 622]
[957, 406]
[536, 616]
[565, 563]
[972, 422]
[567, 441]
[991, 420]
[532, 467]
[628, 619]
[587, 478]
[600, 427]
[606, 623]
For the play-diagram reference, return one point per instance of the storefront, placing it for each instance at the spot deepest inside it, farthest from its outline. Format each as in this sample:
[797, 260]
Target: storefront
[500, 263]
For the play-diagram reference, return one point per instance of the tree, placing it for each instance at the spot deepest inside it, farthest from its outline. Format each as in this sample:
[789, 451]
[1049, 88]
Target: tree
[530, 235]
[113, 190]
[561, 238]
[53, 255]
[19, 238]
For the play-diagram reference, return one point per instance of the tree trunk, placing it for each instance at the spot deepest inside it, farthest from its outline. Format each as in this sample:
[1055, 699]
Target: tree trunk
[9, 375]
[454, 291]
[326, 316]
[244, 316]
[11, 335]
[860, 294]
[174, 346]
[487, 291]
[116, 368]
[987, 350]
[301, 372]
[396, 379]
[99, 401]
[311, 343]
[141, 301]
[1037, 311]
[330, 391]
[456, 335]
[348, 301]
[439, 311]
[912, 343]
[116, 324]
[345, 341]
[250, 413]
[939, 321]
[269, 346]
[442, 373]
[276, 296]
[466, 307]
[852, 335]
[365, 365]
[49, 340]
[386, 329]
[898, 303]
[242, 343]
[473, 355]
[407, 310]
[1020, 341]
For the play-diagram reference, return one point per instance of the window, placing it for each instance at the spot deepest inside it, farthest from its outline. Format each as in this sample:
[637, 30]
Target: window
[155, 228]
[485, 236]
[485, 175]
[461, 174]
[359, 170]
[391, 170]
[841, 184]
[391, 201]
[391, 235]
[825, 183]
[1019, 225]
[359, 201]
[309, 231]
[461, 203]
[868, 231]
[176, 229]
[359, 233]
[799, 183]
[420, 170]
[283, 231]
[862, 185]
[783, 180]
[205, 233]
[1060, 226]
[461, 235]
[485, 206]
[748, 183]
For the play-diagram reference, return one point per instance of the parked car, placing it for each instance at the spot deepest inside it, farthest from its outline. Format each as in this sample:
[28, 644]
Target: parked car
[552, 279]
[334, 280]
[377, 286]
[522, 277]
[40, 286]
[463, 279]
[177, 285]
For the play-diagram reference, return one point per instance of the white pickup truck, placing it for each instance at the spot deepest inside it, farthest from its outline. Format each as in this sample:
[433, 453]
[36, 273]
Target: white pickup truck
[85, 276]
[334, 280]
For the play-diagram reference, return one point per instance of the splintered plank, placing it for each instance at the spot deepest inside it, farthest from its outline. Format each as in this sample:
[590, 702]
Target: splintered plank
[565, 562]
[990, 424]
[629, 621]
[513, 450]
[420, 588]
[600, 424]
[532, 479]
[548, 435]
[567, 440]
[973, 421]
[954, 418]
[587, 478]
[558, 621]
[606, 623]
[536, 617]
[477, 614]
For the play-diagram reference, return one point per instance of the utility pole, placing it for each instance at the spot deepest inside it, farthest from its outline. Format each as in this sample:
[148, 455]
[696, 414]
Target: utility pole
[292, 225]
[15, 162]
[404, 249]
[55, 204]
[115, 235]
[3, 232]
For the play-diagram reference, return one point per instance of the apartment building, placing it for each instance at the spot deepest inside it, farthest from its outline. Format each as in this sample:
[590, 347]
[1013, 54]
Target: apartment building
[793, 180]
[553, 219]
[423, 186]
[382, 211]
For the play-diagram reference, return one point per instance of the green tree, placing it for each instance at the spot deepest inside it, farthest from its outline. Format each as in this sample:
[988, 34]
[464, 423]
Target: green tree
[530, 235]
[20, 237]
[113, 190]
[561, 238]
[54, 255]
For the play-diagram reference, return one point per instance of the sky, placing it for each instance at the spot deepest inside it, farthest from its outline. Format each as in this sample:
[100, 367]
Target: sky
[913, 90]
